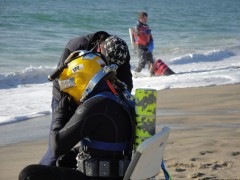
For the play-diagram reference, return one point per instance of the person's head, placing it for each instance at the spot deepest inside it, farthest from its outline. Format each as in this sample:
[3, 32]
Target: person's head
[114, 50]
[143, 17]
[79, 72]
[97, 38]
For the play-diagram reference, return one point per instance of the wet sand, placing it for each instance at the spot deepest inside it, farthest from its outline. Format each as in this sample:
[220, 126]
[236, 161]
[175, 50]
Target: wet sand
[204, 141]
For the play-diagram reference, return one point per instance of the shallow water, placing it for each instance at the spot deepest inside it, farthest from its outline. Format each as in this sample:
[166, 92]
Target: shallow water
[38, 128]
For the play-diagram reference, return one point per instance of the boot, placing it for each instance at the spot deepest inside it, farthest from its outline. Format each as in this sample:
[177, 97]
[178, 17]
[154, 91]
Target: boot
[138, 69]
[151, 69]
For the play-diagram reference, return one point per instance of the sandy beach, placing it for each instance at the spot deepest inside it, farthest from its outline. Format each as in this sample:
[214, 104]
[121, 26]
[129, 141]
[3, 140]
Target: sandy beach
[207, 143]
[204, 142]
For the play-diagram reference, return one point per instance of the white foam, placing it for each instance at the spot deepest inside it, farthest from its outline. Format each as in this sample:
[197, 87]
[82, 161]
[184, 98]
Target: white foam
[27, 94]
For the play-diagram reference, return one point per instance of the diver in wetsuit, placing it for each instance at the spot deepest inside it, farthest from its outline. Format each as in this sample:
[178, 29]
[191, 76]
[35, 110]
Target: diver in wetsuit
[114, 49]
[102, 120]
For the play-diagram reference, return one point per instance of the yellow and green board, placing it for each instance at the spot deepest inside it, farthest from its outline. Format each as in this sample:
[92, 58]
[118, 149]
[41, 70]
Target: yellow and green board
[145, 106]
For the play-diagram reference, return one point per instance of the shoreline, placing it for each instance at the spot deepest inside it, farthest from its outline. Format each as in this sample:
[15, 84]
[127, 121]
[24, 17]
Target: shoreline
[33, 129]
[203, 148]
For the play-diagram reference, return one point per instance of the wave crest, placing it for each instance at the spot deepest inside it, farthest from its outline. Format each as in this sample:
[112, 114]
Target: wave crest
[206, 57]
[30, 75]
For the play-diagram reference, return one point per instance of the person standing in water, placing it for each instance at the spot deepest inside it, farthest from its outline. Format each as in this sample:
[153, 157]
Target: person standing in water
[144, 41]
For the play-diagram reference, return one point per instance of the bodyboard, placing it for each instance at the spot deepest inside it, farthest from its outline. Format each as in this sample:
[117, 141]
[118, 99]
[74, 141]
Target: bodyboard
[132, 39]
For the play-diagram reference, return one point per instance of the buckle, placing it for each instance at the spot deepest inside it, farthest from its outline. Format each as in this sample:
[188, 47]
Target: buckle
[81, 158]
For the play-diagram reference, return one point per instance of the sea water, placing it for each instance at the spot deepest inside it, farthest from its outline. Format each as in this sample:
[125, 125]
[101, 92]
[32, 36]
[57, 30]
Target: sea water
[199, 40]
[34, 33]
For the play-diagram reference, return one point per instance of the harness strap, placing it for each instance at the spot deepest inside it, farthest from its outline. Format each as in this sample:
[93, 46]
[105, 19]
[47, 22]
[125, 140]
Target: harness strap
[114, 98]
[127, 146]
[111, 88]
[106, 146]
[166, 174]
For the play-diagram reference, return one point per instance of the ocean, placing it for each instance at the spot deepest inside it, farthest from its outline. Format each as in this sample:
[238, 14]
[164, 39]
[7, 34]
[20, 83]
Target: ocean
[199, 40]
[34, 33]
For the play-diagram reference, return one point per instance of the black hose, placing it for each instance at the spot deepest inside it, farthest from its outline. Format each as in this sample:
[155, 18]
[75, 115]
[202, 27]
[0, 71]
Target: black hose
[55, 74]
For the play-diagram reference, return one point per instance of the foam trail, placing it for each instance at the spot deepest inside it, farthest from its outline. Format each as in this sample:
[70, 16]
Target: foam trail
[206, 57]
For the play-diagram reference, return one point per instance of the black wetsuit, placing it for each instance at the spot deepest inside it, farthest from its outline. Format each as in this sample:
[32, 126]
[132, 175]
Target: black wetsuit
[58, 105]
[99, 118]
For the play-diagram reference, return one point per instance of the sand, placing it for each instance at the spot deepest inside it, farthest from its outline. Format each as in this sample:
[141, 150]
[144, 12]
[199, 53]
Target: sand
[207, 143]
[204, 141]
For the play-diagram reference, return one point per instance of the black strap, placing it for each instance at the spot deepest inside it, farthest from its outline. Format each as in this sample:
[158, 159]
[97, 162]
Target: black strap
[106, 146]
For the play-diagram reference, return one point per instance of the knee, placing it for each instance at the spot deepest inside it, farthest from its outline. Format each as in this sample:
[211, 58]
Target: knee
[27, 173]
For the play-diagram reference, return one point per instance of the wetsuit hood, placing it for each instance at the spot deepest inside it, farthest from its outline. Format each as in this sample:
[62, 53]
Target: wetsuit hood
[95, 37]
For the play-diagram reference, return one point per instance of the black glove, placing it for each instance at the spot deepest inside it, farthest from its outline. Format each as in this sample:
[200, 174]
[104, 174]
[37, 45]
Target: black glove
[68, 160]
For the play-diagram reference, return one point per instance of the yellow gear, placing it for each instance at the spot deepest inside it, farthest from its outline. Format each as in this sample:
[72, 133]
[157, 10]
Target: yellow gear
[74, 79]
